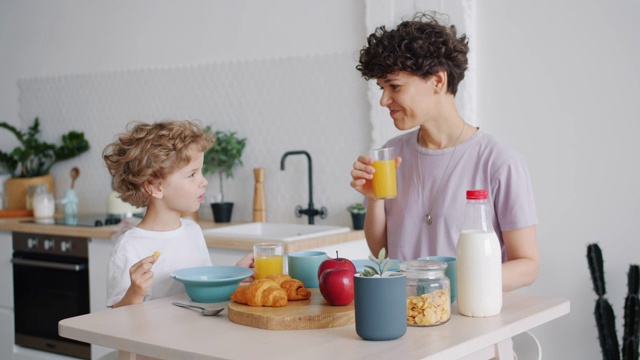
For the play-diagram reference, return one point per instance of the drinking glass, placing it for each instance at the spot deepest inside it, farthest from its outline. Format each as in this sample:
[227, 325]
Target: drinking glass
[268, 259]
[384, 179]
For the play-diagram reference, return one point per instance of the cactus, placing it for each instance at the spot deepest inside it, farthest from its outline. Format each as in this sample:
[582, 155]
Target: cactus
[631, 316]
[605, 318]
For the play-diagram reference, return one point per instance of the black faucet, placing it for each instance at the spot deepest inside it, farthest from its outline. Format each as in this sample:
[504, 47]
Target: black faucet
[311, 212]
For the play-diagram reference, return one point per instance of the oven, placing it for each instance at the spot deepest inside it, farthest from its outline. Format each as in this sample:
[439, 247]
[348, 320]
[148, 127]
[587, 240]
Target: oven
[51, 283]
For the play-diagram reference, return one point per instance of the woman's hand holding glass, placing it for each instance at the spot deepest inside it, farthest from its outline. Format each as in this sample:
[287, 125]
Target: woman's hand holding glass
[362, 174]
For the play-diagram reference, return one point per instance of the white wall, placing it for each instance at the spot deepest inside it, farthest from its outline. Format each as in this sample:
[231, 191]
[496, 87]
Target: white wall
[559, 81]
[556, 79]
[84, 52]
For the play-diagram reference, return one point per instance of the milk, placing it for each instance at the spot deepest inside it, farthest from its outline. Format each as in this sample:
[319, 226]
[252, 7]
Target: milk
[479, 263]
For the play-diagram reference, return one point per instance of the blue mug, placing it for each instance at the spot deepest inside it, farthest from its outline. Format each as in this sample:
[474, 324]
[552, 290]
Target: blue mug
[451, 272]
[303, 265]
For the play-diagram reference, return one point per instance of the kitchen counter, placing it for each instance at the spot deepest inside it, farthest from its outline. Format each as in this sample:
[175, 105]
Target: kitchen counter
[160, 330]
[105, 232]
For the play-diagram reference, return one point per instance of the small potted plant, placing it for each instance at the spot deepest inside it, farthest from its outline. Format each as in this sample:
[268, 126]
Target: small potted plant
[223, 157]
[30, 163]
[358, 212]
[380, 300]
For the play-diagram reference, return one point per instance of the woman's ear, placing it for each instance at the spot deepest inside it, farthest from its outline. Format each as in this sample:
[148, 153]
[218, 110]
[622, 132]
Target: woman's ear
[440, 82]
[153, 189]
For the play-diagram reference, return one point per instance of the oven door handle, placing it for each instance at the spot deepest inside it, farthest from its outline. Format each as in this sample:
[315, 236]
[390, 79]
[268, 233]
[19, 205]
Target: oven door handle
[49, 264]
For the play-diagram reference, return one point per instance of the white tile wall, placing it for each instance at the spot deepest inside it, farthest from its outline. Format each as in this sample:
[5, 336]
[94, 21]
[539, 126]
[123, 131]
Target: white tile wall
[313, 103]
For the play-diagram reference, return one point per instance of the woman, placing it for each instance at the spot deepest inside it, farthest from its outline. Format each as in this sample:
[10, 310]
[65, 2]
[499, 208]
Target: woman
[418, 67]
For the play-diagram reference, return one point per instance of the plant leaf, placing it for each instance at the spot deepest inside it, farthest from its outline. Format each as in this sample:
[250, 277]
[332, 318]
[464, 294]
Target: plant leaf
[369, 267]
[387, 265]
[382, 254]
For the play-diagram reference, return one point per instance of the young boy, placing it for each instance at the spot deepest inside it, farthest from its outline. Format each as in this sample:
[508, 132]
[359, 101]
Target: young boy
[159, 166]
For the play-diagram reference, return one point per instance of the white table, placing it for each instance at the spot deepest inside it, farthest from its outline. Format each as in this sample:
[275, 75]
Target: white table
[160, 330]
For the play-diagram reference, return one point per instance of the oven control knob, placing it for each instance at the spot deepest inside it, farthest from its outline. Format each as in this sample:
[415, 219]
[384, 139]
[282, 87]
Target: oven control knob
[65, 246]
[32, 243]
[49, 244]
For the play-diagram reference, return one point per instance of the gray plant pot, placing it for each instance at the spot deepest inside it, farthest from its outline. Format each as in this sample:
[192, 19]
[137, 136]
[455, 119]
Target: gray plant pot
[222, 212]
[381, 307]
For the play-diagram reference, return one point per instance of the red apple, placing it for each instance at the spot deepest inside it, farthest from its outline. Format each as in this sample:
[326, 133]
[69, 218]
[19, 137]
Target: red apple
[338, 262]
[336, 286]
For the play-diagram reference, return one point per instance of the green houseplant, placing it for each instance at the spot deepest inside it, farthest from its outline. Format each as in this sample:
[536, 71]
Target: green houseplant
[380, 300]
[222, 158]
[358, 212]
[30, 162]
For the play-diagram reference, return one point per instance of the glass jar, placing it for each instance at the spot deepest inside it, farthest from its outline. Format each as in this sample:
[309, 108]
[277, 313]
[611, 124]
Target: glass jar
[44, 205]
[428, 292]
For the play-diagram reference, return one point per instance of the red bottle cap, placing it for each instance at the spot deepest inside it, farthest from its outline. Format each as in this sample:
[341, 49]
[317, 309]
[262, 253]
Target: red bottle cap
[477, 194]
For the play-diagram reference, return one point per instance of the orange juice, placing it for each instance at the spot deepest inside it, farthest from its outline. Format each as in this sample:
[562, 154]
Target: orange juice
[384, 179]
[267, 265]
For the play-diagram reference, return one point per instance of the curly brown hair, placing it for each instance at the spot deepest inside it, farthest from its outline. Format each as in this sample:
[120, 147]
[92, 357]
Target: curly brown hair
[148, 152]
[422, 46]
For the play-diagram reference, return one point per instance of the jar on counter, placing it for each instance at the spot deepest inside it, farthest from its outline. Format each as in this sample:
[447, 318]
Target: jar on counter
[428, 292]
[44, 205]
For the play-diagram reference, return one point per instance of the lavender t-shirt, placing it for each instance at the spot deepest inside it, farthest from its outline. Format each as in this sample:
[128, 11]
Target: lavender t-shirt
[481, 162]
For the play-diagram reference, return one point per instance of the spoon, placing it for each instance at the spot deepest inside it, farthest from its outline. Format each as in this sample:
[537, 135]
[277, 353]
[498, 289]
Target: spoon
[75, 172]
[205, 312]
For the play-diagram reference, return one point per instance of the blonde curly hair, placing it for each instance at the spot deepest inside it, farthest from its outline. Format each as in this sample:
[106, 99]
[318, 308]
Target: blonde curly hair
[148, 152]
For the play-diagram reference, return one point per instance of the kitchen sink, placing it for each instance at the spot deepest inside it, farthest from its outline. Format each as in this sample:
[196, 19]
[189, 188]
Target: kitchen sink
[275, 231]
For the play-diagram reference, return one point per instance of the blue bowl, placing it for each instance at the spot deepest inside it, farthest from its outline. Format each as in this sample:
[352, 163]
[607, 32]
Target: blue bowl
[210, 284]
[360, 264]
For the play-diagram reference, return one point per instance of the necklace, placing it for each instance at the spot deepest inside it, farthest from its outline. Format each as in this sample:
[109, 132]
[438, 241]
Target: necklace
[428, 218]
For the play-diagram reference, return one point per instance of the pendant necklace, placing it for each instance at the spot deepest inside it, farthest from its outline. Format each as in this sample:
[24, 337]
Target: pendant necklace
[428, 218]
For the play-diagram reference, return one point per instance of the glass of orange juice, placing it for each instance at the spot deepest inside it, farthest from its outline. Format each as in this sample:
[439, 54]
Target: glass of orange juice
[267, 258]
[384, 179]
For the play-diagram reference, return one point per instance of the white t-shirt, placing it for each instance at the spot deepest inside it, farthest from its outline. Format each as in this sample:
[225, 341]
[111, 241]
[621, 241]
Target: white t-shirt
[181, 248]
[481, 162]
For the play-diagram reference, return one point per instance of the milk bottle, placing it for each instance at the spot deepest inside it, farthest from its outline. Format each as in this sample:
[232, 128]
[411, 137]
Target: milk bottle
[479, 260]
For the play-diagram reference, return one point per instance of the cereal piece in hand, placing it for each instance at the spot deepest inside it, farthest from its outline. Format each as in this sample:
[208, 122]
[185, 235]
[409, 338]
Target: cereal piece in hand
[156, 254]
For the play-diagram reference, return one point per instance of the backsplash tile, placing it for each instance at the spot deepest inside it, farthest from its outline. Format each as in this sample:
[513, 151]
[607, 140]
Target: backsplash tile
[315, 103]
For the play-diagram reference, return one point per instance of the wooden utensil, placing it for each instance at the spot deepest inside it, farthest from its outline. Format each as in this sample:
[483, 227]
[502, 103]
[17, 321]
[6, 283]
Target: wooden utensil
[75, 172]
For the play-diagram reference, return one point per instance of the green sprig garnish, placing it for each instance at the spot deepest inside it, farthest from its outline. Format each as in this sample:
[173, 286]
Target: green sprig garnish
[382, 263]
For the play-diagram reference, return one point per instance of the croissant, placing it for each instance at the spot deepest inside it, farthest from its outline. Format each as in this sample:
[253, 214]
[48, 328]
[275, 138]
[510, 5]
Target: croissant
[263, 292]
[279, 278]
[295, 288]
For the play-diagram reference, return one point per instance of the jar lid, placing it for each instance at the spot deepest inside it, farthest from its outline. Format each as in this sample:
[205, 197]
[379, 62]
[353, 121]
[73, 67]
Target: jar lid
[423, 266]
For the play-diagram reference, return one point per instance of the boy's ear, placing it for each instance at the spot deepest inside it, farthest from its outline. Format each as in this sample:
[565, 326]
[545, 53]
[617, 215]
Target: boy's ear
[153, 189]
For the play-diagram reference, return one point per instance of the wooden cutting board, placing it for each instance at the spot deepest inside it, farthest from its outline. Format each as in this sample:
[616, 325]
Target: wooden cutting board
[314, 313]
[15, 213]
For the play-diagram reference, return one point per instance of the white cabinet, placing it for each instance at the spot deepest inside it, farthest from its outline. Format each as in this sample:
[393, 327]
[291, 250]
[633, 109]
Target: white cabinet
[6, 270]
[99, 251]
[6, 333]
[6, 296]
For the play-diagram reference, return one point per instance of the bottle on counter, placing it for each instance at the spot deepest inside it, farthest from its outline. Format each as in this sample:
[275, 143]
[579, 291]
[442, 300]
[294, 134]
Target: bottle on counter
[479, 260]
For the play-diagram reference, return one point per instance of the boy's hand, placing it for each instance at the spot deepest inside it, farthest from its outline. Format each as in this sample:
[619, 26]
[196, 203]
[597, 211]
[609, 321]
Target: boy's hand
[141, 280]
[247, 261]
[142, 276]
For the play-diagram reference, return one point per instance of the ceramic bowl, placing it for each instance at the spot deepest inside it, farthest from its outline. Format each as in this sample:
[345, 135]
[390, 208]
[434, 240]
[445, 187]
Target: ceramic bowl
[209, 284]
